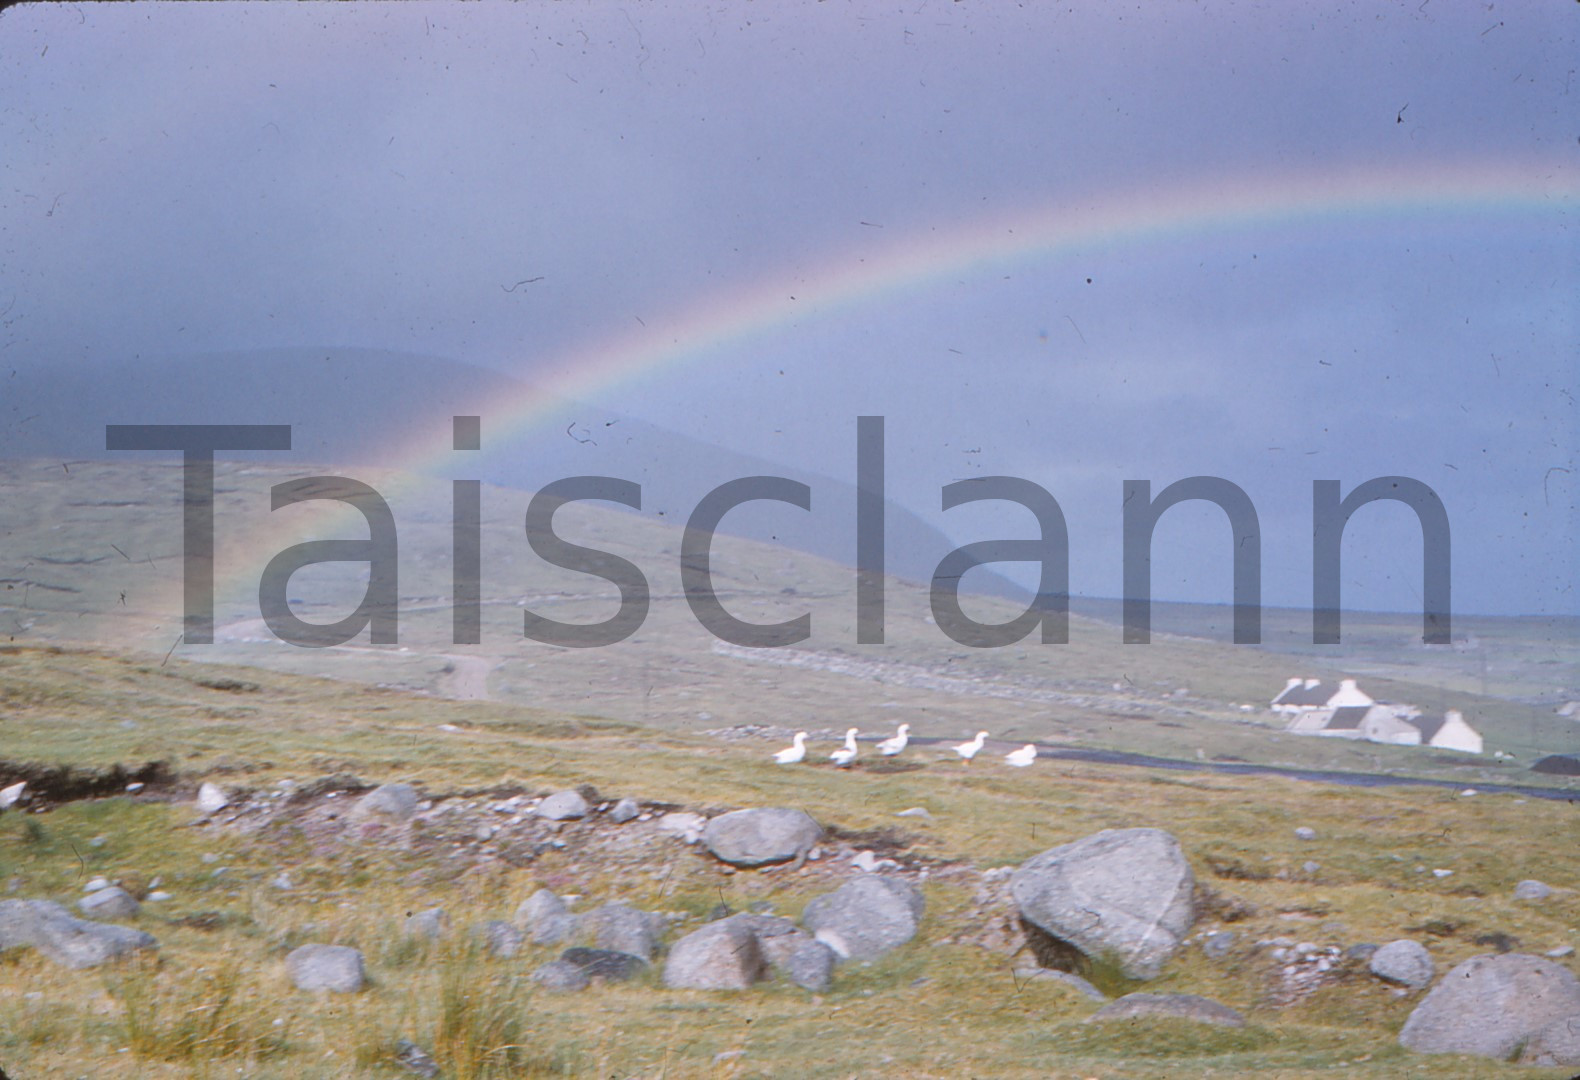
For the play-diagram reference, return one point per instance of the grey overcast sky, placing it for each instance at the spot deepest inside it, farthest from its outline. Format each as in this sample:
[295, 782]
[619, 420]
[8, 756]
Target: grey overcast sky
[1271, 242]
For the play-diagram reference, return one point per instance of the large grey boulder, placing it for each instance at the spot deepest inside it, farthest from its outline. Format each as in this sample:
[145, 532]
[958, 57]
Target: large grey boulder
[1558, 1043]
[1404, 962]
[1176, 1006]
[388, 802]
[623, 928]
[1122, 895]
[335, 968]
[765, 835]
[112, 902]
[563, 806]
[1490, 1005]
[866, 917]
[723, 955]
[64, 938]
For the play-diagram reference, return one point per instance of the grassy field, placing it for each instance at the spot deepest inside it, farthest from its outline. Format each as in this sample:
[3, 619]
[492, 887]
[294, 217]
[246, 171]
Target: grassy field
[215, 1001]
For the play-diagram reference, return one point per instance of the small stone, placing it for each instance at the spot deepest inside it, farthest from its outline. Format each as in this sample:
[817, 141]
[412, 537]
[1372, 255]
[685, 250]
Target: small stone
[916, 812]
[500, 937]
[158, 896]
[561, 976]
[282, 881]
[110, 903]
[393, 802]
[334, 968]
[1305, 832]
[410, 1056]
[865, 861]
[563, 806]
[1531, 889]
[1218, 945]
[1561, 951]
[96, 884]
[1442, 873]
[211, 798]
[1311, 867]
[1405, 962]
[1181, 1006]
[623, 811]
[606, 963]
[12, 795]
[429, 925]
[134, 787]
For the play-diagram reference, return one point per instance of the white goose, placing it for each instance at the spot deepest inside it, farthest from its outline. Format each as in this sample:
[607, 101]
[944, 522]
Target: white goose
[792, 754]
[969, 750]
[890, 747]
[847, 753]
[1022, 757]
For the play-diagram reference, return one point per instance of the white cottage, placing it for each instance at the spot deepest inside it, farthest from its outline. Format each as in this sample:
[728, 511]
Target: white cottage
[1448, 732]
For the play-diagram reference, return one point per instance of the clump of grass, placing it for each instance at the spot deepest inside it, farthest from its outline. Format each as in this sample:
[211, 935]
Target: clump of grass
[479, 1033]
[202, 1015]
[1151, 1037]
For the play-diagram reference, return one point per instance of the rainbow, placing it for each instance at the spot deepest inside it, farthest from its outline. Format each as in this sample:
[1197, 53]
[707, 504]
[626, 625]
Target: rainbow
[1419, 198]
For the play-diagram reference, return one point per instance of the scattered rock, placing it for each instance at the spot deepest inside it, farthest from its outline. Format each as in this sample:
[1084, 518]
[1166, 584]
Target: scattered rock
[1531, 889]
[546, 918]
[211, 799]
[410, 1056]
[563, 806]
[1560, 952]
[625, 929]
[1305, 832]
[1120, 894]
[96, 884]
[606, 963]
[915, 812]
[761, 836]
[62, 937]
[1217, 946]
[1179, 1006]
[623, 811]
[723, 955]
[335, 968]
[866, 917]
[12, 795]
[1491, 1005]
[393, 802]
[1074, 982]
[1404, 962]
[500, 938]
[683, 826]
[1360, 953]
[428, 925]
[562, 976]
[111, 902]
[793, 952]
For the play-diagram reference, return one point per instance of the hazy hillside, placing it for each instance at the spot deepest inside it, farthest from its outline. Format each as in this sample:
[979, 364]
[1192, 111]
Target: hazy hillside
[362, 407]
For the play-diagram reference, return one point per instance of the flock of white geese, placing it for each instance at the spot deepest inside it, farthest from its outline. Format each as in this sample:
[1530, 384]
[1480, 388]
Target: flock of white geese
[893, 747]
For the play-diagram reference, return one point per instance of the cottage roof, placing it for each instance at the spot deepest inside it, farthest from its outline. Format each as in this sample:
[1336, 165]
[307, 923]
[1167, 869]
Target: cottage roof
[1428, 725]
[1348, 718]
